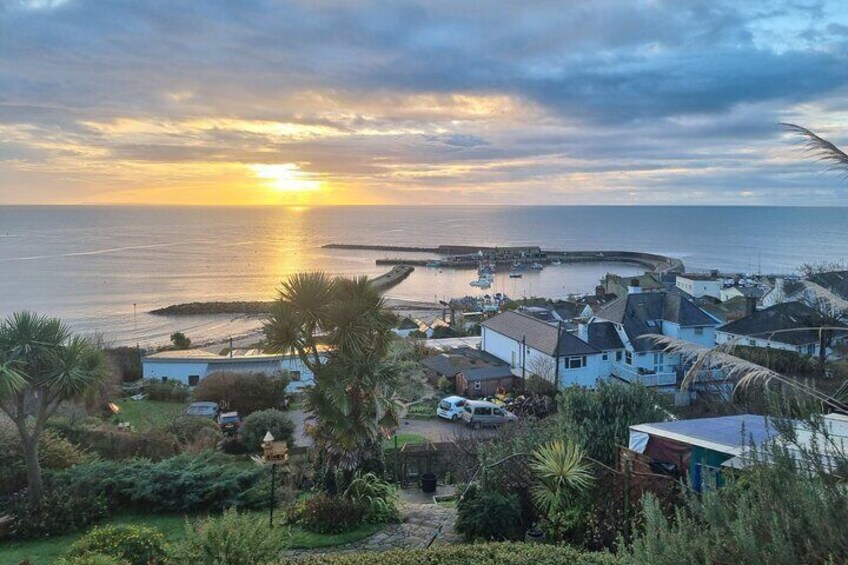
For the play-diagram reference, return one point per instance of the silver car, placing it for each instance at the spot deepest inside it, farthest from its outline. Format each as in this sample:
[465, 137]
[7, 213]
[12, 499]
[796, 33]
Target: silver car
[479, 413]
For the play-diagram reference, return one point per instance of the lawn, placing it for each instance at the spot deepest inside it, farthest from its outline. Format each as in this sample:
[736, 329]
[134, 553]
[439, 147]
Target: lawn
[404, 439]
[149, 414]
[44, 552]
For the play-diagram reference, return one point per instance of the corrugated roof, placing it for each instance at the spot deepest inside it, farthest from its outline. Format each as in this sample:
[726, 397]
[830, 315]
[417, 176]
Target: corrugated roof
[487, 373]
[725, 434]
[538, 334]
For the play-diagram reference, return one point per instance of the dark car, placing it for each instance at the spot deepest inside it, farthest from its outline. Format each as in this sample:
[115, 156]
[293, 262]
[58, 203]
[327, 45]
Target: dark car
[203, 409]
[229, 422]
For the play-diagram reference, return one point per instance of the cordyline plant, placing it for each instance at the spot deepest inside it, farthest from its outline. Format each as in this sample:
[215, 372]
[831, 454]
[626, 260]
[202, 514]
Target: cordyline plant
[42, 364]
[341, 331]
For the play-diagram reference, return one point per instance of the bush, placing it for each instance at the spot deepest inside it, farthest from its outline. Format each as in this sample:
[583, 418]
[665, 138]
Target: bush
[54, 452]
[470, 554]
[245, 393]
[255, 426]
[195, 433]
[537, 385]
[324, 514]
[115, 444]
[378, 498]
[170, 390]
[232, 538]
[489, 515]
[91, 559]
[138, 545]
[232, 445]
[185, 483]
[445, 385]
[59, 511]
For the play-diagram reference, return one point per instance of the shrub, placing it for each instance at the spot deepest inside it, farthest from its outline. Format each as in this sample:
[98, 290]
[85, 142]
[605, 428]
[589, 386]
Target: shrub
[185, 483]
[600, 419]
[245, 393]
[378, 498]
[470, 554]
[139, 545]
[537, 385]
[170, 390]
[324, 514]
[54, 452]
[232, 538]
[488, 515]
[196, 433]
[255, 426]
[58, 512]
[232, 445]
[445, 385]
[91, 559]
[115, 444]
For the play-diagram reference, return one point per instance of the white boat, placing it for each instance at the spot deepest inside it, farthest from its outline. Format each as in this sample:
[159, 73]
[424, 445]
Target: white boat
[482, 282]
[515, 275]
[556, 262]
[537, 266]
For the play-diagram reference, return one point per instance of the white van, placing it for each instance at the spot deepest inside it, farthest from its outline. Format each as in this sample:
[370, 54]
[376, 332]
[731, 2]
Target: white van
[450, 408]
[479, 413]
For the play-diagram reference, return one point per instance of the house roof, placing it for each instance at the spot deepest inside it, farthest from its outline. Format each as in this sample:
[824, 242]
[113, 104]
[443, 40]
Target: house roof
[729, 310]
[725, 434]
[750, 291]
[540, 313]
[602, 335]
[642, 314]
[487, 373]
[538, 334]
[785, 316]
[200, 356]
[697, 276]
[568, 310]
[461, 359]
[408, 324]
[834, 281]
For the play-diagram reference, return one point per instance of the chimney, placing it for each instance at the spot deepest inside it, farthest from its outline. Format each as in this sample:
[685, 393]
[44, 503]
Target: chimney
[634, 287]
[750, 305]
[714, 273]
[600, 291]
[583, 331]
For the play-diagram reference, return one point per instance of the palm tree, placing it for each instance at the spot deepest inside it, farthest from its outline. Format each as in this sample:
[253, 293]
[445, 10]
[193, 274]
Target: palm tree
[341, 331]
[42, 364]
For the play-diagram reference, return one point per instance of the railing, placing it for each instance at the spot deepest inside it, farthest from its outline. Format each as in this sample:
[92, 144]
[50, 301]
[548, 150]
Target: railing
[632, 375]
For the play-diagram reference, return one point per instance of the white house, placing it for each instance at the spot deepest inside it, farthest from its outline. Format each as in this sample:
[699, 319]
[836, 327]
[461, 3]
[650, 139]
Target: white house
[190, 366]
[638, 316]
[697, 285]
[531, 346]
[729, 293]
[780, 327]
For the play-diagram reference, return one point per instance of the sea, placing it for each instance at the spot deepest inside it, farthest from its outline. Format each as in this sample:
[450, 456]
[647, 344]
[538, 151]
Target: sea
[103, 268]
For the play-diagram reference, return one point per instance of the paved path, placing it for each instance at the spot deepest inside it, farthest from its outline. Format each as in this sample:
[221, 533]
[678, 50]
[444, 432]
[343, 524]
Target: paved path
[420, 522]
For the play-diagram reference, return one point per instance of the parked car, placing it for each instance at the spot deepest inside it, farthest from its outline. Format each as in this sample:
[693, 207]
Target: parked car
[450, 408]
[479, 413]
[229, 422]
[203, 409]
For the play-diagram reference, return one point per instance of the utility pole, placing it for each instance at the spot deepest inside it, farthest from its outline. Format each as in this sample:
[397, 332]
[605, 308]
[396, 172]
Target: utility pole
[523, 356]
[556, 356]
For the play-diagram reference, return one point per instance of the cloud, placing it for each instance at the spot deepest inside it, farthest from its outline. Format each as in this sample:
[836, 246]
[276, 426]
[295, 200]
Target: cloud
[609, 101]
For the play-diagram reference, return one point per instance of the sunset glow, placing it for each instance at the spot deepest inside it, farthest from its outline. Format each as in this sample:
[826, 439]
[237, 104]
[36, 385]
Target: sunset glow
[286, 178]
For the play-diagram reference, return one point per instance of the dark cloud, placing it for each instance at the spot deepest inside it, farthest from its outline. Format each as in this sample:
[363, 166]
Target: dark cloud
[673, 95]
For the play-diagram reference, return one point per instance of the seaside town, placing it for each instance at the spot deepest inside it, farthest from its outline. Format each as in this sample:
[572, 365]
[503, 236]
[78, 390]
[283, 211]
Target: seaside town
[290, 282]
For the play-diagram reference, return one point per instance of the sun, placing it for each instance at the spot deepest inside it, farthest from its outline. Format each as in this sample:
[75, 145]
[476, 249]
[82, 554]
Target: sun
[286, 177]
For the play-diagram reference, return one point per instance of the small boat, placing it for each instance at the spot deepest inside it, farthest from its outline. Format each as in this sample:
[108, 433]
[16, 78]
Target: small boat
[556, 262]
[537, 266]
[517, 266]
[515, 275]
[482, 282]
[434, 264]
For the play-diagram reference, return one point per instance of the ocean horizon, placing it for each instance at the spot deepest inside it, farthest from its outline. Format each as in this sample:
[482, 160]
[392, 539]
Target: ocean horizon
[103, 268]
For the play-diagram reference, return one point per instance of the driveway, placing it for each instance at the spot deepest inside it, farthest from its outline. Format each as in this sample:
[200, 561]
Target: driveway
[434, 430]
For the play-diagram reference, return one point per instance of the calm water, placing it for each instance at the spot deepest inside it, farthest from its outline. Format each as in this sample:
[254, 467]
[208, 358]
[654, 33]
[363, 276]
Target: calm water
[91, 265]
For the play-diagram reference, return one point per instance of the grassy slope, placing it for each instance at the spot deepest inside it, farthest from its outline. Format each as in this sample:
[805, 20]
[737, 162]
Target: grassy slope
[44, 552]
[403, 439]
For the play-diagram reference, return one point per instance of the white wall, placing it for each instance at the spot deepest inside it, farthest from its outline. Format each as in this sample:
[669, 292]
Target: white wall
[699, 288]
[181, 370]
[173, 370]
[724, 337]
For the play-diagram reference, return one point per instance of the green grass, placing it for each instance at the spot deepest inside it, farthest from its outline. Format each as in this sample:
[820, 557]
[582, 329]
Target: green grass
[149, 414]
[423, 410]
[46, 551]
[403, 439]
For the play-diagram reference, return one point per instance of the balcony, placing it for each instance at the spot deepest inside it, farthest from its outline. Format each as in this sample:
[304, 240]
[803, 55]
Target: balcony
[632, 375]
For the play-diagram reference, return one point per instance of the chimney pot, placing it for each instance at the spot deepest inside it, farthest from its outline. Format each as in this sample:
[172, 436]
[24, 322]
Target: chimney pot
[634, 287]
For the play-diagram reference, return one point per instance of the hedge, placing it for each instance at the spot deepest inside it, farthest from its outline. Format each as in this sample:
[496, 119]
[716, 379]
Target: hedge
[467, 554]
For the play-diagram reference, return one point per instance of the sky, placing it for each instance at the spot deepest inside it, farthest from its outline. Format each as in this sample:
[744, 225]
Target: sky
[436, 102]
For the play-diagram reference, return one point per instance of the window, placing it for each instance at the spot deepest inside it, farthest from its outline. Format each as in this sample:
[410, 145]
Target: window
[513, 360]
[699, 331]
[605, 357]
[477, 385]
[483, 411]
[752, 342]
[193, 380]
[659, 360]
[628, 357]
[618, 356]
[294, 375]
[575, 362]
